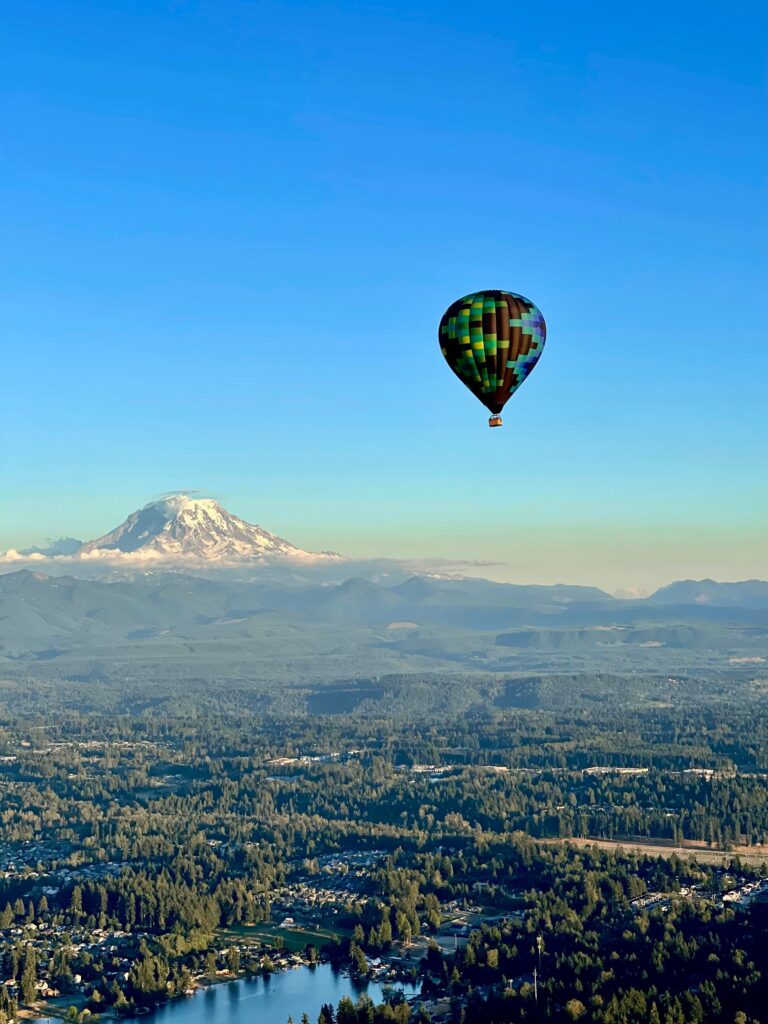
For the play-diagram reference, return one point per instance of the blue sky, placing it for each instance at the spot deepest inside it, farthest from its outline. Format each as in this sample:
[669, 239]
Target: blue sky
[231, 228]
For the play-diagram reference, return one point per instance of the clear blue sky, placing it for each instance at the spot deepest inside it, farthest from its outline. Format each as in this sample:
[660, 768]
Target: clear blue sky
[231, 228]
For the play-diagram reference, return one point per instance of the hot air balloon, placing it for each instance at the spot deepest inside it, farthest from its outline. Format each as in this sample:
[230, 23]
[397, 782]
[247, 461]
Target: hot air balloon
[492, 340]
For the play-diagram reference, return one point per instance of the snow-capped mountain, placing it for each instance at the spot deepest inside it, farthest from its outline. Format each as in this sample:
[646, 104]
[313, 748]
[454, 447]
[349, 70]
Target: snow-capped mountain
[183, 528]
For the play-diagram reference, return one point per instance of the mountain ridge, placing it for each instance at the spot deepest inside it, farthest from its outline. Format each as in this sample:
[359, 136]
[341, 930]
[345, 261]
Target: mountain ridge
[740, 593]
[185, 625]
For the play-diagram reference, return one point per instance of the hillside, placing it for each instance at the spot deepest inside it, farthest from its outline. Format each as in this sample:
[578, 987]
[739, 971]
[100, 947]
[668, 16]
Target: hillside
[179, 625]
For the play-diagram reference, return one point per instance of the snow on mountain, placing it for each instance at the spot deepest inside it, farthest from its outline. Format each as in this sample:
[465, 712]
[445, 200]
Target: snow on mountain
[183, 528]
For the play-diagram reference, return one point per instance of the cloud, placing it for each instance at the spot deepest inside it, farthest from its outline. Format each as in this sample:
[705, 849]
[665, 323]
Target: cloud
[435, 563]
[630, 594]
[151, 557]
[187, 492]
[12, 555]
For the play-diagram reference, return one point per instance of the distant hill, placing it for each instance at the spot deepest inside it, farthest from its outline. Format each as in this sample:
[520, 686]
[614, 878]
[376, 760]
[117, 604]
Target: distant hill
[33, 600]
[186, 624]
[746, 594]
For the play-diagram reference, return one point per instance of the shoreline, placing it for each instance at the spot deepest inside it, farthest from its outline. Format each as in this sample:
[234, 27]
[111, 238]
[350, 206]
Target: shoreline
[42, 1011]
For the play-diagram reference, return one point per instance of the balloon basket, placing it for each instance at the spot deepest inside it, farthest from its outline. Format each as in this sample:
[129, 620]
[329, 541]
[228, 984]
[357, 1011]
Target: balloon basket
[495, 421]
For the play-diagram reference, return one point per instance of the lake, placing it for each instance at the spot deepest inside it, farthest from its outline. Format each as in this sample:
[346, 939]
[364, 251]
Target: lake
[267, 1000]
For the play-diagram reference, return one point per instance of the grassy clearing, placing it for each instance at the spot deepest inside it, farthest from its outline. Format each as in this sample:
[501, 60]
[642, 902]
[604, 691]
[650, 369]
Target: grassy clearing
[293, 939]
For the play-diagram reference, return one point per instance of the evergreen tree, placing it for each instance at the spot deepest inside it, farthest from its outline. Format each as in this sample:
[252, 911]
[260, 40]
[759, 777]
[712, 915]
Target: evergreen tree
[28, 985]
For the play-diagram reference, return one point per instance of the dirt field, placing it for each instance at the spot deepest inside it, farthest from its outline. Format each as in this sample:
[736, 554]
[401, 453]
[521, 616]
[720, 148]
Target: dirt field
[661, 848]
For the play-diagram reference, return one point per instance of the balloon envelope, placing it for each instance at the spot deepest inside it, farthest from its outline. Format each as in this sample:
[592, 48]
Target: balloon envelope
[492, 340]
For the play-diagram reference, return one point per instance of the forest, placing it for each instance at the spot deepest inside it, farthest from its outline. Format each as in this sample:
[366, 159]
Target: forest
[137, 841]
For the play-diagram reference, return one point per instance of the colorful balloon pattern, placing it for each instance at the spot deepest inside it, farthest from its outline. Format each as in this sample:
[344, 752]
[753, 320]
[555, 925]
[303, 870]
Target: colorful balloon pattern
[492, 340]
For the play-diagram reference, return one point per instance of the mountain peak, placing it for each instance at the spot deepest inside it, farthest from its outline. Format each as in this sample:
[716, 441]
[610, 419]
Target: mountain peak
[181, 526]
[181, 500]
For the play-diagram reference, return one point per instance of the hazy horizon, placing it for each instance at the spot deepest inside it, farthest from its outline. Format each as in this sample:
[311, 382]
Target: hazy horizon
[577, 566]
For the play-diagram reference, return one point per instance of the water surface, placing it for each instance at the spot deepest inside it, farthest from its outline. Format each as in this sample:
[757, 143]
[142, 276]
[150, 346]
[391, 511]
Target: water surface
[266, 1000]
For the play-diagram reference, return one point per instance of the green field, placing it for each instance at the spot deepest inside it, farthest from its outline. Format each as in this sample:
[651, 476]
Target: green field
[293, 939]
